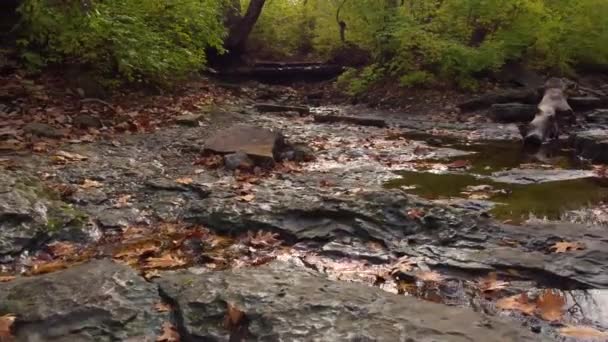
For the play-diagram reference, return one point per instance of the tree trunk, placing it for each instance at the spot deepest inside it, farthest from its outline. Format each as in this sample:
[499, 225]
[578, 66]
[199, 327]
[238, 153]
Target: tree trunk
[239, 30]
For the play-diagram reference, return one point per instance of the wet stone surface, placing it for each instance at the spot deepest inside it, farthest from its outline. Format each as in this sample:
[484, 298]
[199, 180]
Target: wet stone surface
[337, 206]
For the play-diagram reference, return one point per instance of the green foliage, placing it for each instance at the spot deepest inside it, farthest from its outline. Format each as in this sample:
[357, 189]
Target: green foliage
[356, 82]
[426, 41]
[145, 41]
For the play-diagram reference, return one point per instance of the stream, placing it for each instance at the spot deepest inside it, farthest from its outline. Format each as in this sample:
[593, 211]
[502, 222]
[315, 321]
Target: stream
[415, 231]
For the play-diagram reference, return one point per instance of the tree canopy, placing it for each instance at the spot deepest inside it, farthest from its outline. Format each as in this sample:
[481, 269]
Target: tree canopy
[411, 41]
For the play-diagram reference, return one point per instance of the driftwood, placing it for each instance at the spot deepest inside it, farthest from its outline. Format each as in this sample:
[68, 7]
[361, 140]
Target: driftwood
[553, 110]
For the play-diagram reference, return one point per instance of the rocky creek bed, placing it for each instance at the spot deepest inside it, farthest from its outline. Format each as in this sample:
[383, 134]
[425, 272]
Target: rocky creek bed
[149, 237]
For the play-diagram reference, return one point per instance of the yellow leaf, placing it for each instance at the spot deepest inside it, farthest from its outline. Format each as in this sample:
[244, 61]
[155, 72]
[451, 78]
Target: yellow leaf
[247, 198]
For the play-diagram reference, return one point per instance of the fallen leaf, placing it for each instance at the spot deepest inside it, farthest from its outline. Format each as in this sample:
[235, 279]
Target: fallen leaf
[582, 332]
[415, 214]
[263, 239]
[550, 305]
[404, 264]
[6, 323]
[247, 198]
[165, 261]
[123, 201]
[71, 156]
[138, 249]
[62, 249]
[4, 279]
[88, 183]
[429, 276]
[169, 334]
[48, 267]
[563, 246]
[163, 307]
[184, 181]
[491, 283]
[149, 275]
[234, 316]
[518, 302]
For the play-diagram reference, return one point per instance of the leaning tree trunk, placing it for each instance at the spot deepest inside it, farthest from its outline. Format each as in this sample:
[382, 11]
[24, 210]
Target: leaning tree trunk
[240, 28]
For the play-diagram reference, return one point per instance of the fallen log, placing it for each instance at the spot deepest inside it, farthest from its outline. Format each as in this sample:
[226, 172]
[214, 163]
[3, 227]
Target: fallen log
[526, 96]
[350, 120]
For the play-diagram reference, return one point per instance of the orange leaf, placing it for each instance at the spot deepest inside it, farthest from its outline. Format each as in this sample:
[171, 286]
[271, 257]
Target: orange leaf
[550, 305]
[234, 316]
[6, 323]
[563, 247]
[491, 283]
[87, 184]
[459, 164]
[184, 180]
[518, 303]
[247, 198]
[263, 239]
[169, 334]
[4, 279]
[582, 332]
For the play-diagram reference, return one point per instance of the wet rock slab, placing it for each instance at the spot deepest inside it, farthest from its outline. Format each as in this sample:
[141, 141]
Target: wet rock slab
[96, 301]
[255, 141]
[285, 302]
[534, 176]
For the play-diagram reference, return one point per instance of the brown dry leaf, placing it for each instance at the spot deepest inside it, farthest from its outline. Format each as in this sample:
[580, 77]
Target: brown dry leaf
[169, 334]
[49, 267]
[163, 307]
[415, 213]
[123, 201]
[234, 316]
[518, 302]
[582, 332]
[564, 246]
[491, 283]
[165, 261]
[137, 249]
[550, 305]
[6, 323]
[88, 183]
[6, 278]
[62, 249]
[429, 276]
[263, 239]
[70, 156]
[184, 181]
[149, 275]
[404, 264]
[247, 198]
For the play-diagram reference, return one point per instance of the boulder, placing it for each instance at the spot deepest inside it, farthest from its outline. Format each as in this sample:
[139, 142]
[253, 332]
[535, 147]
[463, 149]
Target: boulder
[42, 130]
[591, 144]
[513, 112]
[96, 301]
[271, 108]
[238, 160]
[261, 144]
[285, 302]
